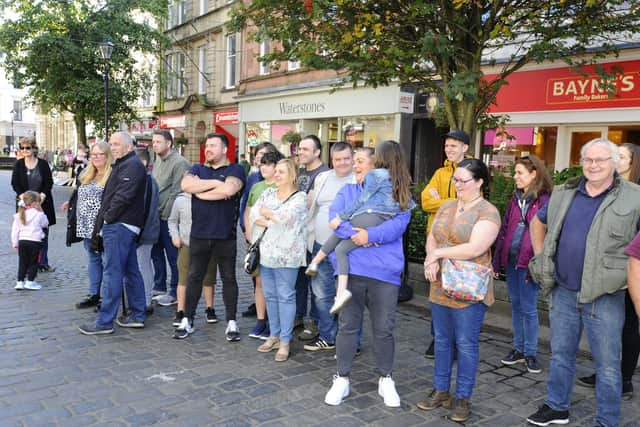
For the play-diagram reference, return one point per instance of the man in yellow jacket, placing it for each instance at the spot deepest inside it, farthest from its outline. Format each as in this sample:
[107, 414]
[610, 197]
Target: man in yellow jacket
[440, 188]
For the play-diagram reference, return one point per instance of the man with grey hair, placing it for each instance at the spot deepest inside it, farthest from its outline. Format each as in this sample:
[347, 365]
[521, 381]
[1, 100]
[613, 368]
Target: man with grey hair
[590, 220]
[120, 221]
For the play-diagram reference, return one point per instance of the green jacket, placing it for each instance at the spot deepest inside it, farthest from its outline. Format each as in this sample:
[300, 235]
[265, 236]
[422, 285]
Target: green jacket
[614, 226]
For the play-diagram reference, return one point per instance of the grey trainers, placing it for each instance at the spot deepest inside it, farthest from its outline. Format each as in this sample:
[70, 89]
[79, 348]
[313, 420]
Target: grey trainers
[310, 331]
[166, 300]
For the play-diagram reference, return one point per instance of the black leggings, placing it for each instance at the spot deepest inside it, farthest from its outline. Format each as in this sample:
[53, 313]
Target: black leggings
[343, 247]
[630, 340]
[28, 259]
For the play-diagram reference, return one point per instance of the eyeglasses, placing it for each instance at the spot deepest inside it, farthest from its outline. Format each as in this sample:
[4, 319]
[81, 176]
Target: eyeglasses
[26, 148]
[597, 161]
[456, 181]
[94, 155]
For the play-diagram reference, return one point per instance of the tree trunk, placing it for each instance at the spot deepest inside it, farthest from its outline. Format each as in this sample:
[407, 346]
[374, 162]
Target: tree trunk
[81, 128]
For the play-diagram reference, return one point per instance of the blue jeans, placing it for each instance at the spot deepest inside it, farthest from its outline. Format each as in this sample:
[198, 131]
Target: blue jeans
[120, 266]
[457, 328]
[94, 267]
[162, 247]
[323, 287]
[524, 310]
[602, 320]
[302, 294]
[279, 287]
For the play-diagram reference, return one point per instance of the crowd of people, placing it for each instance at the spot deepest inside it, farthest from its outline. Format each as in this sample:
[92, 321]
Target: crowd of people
[334, 235]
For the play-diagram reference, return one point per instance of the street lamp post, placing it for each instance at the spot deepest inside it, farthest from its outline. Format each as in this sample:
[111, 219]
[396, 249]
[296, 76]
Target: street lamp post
[13, 117]
[106, 48]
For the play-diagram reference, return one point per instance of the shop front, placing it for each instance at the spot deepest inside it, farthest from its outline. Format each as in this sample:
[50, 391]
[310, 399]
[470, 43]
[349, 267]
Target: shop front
[361, 116]
[554, 111]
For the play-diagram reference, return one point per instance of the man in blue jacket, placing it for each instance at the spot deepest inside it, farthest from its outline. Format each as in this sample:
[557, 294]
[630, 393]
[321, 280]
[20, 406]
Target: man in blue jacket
[121, 219]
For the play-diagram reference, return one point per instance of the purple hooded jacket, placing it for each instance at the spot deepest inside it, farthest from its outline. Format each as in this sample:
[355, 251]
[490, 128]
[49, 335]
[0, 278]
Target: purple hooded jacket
[508, 228]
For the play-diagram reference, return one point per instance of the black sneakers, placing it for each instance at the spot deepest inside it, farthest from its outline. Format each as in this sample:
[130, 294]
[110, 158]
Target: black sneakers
[532, 364]
[512, 358]
[430, 353]
[210, 315]
[93, 329]
[88, 301]
[319, 344]
[589, 381]
[546, 416]
[127, 322]
[178, 318]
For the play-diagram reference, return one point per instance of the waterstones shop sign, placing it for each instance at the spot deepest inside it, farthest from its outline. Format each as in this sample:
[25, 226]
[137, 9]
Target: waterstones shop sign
[290, 108]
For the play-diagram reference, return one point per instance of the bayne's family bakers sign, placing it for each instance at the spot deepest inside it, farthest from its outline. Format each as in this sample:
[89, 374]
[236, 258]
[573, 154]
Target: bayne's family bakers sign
[564, 89]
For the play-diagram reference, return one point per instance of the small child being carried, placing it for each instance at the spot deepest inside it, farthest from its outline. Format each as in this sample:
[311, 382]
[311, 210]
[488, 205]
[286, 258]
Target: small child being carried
[385, 193]
[27, 233]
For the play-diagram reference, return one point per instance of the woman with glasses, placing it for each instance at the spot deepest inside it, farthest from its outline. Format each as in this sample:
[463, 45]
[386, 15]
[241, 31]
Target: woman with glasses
[513, 252]
[89, 197]
[31, 173]
[463, 229]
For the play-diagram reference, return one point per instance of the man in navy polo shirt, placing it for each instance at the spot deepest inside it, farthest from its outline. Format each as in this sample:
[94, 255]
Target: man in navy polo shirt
[216, 188]
[590, 220]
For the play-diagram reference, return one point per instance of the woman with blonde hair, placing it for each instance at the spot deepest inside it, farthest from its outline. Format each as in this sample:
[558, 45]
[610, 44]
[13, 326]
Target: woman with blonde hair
[281, 213]
[89, 197]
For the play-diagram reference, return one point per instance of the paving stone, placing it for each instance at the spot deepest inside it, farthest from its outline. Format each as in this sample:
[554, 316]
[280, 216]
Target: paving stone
[266, 415]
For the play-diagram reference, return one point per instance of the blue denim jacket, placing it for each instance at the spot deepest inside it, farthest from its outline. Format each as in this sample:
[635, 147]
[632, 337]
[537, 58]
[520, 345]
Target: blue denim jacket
[376, 197]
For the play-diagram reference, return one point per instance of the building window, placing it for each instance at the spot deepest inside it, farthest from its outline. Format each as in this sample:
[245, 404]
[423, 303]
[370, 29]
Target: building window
[293, 65]
[202, 59]
[204, 7]
[264, 50]
[180, 84]
[170, 75]
[17, 110]
[230, 80]
[182, 11]
[171, 15]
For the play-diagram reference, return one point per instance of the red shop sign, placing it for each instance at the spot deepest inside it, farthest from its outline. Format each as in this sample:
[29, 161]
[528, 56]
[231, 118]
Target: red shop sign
[172, 122]
[226, 117]
[564, 89]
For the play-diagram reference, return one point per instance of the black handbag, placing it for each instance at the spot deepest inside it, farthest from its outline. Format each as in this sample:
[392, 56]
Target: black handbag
[72, 220]
[252, 258]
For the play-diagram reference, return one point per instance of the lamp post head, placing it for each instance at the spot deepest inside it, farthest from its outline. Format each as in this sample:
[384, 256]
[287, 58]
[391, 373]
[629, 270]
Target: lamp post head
[106, 48]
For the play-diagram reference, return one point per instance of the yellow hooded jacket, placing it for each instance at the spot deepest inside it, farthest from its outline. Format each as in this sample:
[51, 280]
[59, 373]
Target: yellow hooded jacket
[441, 182]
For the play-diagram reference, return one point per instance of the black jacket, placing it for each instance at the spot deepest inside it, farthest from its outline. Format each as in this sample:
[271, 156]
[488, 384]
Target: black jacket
[123, 197]
[20, 184]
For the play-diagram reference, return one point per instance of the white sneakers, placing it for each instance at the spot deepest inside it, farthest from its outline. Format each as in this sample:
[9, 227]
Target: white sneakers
[340, 301]
[338, 391]
[387, 390]
[29, 285]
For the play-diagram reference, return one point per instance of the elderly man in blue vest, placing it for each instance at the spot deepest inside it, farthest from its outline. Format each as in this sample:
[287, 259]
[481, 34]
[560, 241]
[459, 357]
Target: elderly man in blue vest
[590, 221]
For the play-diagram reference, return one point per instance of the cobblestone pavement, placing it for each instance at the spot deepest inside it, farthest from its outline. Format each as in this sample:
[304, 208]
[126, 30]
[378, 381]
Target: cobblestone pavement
[50, 374]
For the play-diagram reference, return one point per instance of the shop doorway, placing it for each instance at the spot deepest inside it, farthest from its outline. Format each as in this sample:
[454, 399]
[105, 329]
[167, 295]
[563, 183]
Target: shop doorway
[579, 137]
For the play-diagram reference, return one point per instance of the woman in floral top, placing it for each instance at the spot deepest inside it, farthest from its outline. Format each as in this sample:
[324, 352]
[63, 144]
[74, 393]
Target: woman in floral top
[92, 180]
[463, 229]
[283, 211]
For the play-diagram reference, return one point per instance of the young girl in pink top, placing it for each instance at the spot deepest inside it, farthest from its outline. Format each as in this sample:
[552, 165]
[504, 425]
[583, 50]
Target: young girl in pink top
[27, 233]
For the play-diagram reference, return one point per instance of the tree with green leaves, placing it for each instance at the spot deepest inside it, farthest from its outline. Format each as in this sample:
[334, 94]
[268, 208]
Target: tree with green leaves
[51, 48]
[439, 45]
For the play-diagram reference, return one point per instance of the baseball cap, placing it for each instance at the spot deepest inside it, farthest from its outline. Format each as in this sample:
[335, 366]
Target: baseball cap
[458, 135]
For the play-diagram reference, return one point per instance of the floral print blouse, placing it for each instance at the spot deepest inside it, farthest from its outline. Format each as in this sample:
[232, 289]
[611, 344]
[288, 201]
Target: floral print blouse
[89, 200]
[285, 242]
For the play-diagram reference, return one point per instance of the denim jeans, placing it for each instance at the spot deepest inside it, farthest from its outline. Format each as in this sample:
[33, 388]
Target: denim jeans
[143, 253]
[381, 298]
[524, 310]
[162, 247]
[95, 268]
[279, 287]
[303, 284]
[323, 287]
[602, 321]
[457, 328]
[120, 266]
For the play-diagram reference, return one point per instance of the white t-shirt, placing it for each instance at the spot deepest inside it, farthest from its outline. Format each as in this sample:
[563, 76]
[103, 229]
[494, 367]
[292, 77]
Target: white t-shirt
[323, 200]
